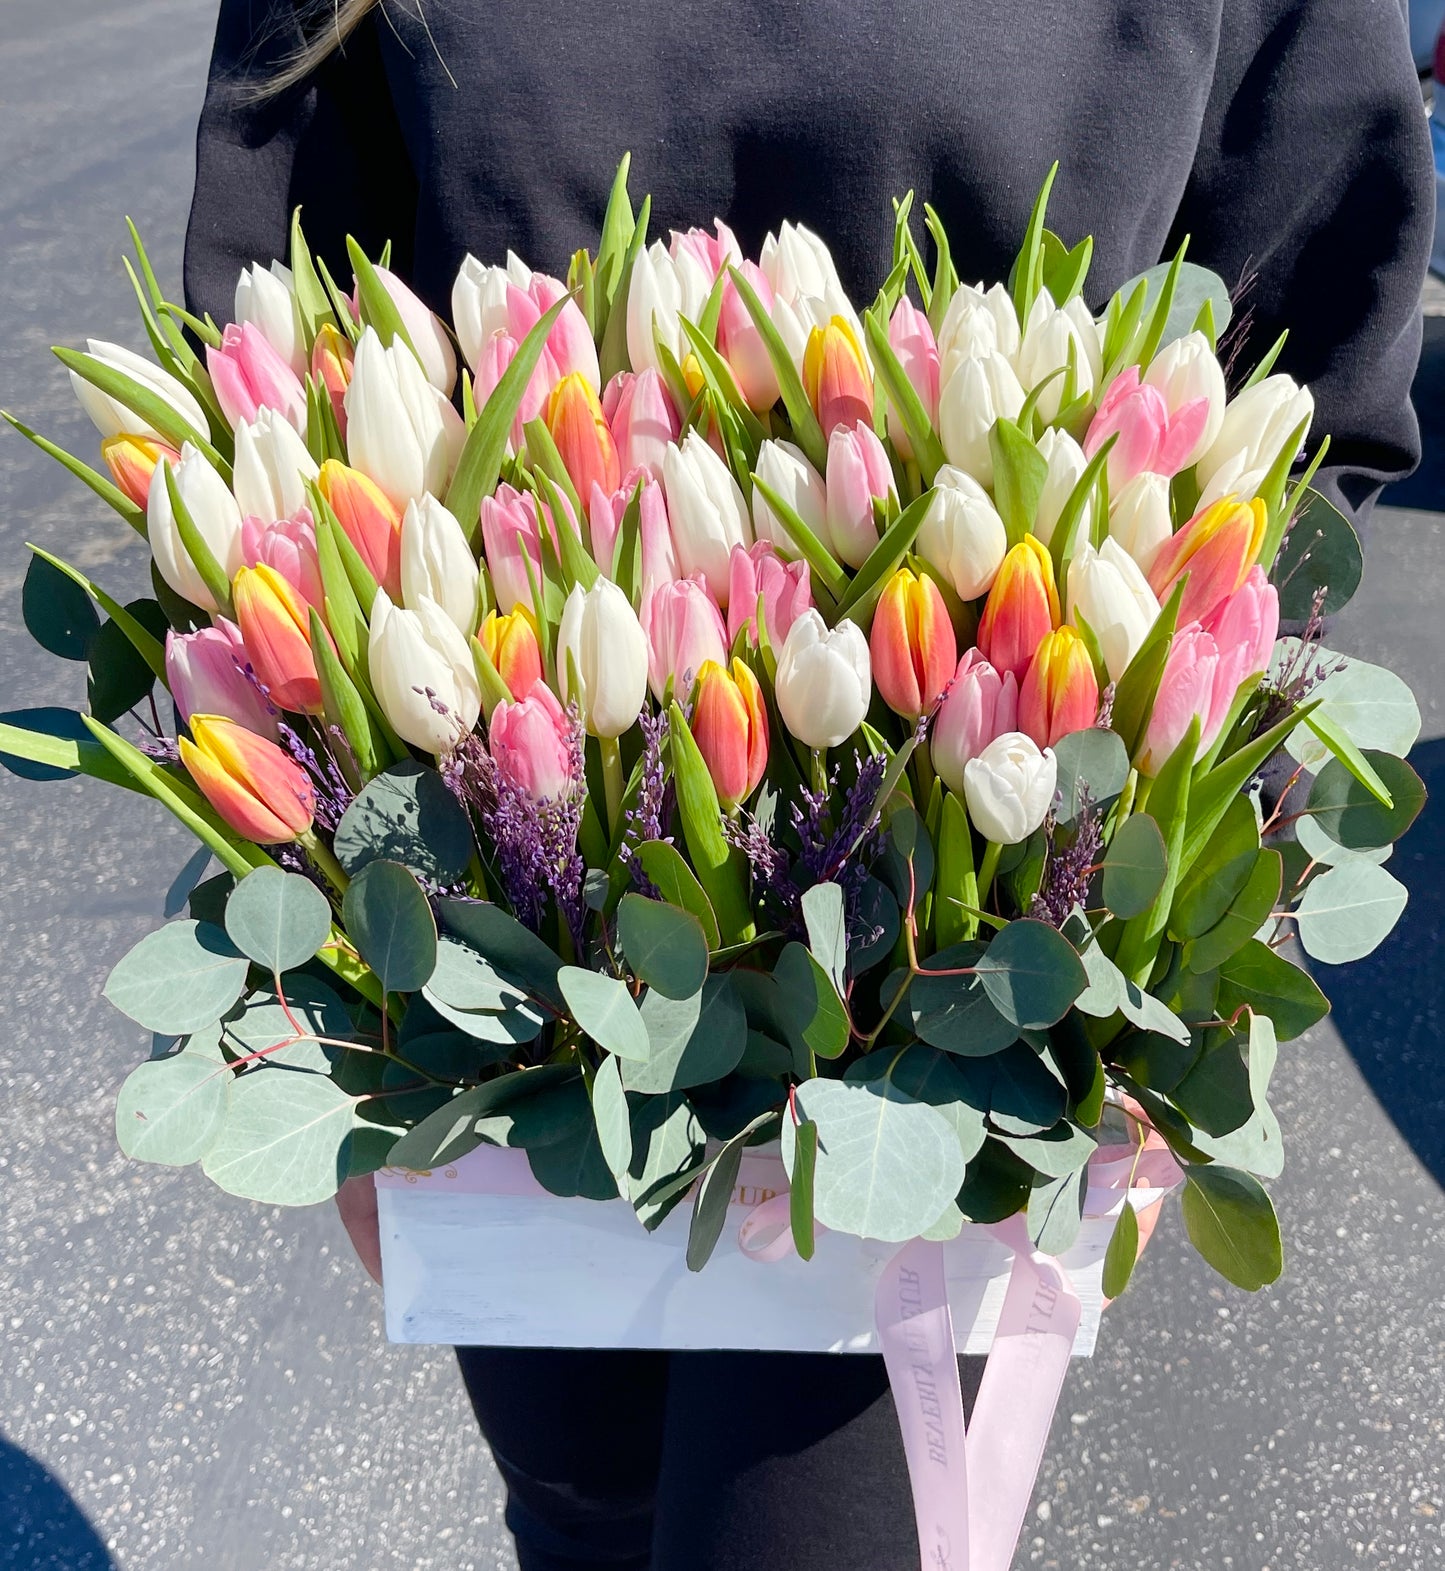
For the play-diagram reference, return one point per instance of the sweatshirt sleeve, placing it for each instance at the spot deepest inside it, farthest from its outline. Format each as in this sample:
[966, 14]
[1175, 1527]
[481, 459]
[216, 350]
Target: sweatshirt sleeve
[1314, 180]
[330, 144]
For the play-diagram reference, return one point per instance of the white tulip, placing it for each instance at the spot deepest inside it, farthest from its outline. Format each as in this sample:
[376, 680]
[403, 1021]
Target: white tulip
[824, 681]
[1052, 337]
[1009, 788]
[437, 563]
[1108, 590]
[1257, 423]
[214, 512]
[111, 417]
[962, 534]
[1066, 463]
[663, 289]
[271, 468]
[977, 321]
[401, 431]
[784, 469]
[479, 302]
[1232, 478]
[601, 643]
[981, 390]
[1140, 518]
[412, 651]
[707, 512]
[798, 265]
[1186, 371]
[266, 298]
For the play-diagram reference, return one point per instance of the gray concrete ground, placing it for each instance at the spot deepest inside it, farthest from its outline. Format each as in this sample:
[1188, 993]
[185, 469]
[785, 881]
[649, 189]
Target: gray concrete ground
[191, 1380]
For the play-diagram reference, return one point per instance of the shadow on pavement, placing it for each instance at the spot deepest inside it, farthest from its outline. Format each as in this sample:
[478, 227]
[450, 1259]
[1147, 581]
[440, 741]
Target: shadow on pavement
[1387, 1007]
[41, 1527]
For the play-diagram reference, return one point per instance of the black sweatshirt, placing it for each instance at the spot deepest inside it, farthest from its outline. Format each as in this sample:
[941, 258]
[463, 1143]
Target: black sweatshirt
[1284, 137]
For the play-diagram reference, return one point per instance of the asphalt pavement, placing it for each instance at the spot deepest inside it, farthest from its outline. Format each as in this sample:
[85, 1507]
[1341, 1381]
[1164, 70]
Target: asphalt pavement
[187, 1379]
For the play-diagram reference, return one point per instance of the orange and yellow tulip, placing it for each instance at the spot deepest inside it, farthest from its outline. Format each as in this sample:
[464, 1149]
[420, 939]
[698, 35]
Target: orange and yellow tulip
[1060, 693]
[259, 790]
[510, 642]
[371, 523]
[1022, 608]
[912, 643]
[275, 627]
[730, 726]
[580, 430]
[132, 461]
[1216, 548]
[836, 376]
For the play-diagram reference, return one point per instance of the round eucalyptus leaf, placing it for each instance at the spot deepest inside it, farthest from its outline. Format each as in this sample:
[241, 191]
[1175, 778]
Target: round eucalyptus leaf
[563, 1147]
[1024, 1097]
[389, 920]
[183, 976]
[1350, 813]
[1348, 911]
[1092, 759]
[506, 943]
[284, 1139]
[58, 613]
[1135, 866]
[502, 1027]
[265, 1026]
[406, 814]
[887, 1164]
[1032, 974]
[1372, 706]
[1321, 551]
[693, 1041]
[810, 1002]
[169, 1109]
[603, 1007]
[1194, 285]
[664, 945]
[1231, 1222]
[929, 1076]
[613, 1117]
[906, 864]
[667, 1144]
[1320, 848]
[278, 918]
[956, 1012]
[880, 920]
[1269, 984]
[466, 979]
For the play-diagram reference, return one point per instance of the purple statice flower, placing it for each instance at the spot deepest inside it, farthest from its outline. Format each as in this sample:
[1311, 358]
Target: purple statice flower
[1069, 869]
[161, 748]
[651, 812]
[1285, 688]
[332, 794]
[768, 864]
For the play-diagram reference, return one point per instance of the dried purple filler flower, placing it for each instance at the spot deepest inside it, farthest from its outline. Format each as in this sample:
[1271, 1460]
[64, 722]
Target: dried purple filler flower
[648, 817]
[1068, 870]
[332, 794]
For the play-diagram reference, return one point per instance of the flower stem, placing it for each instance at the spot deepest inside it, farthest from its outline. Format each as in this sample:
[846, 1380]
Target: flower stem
[325, 863]
[923, 773]
[987, 868]
[612, 779]
[820, 769]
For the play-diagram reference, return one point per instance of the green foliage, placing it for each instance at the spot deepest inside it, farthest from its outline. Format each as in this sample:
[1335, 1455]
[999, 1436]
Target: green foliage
[602, 1006]
[407, 815]
[719, 868]
[1135, 867]
[277, 918]
[179, 978]
[170, 1109]
[389, 920]
[1350, 813]
[1122, 1253]
[1231, 1223]
[58, 613]
[1031, 974]
[675, 881]
[816, 1019]
[1267, 983]
[956, 1012]
[802, 1177]
[1095, 758]
[512, 948]
[691, 1042]
[284, 1138]
[664, 945]
[1321, 552]
[1348, 911]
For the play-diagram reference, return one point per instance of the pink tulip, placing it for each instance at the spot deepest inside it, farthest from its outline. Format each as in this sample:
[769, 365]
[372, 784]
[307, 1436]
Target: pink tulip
[786, 589]
[978, 706]
[511, 538]
[249, 376]
[605, 513]
[684, 629]
[497, 354]
[741, 344]
[428, 336]
[911, 339]
[1244, 626]
[1150, 438]
[858, 475]
[570, 345]
[207, 673]
[532, 745]
[290, 547]
[711, 252]
[643, 420]
[1195, 682]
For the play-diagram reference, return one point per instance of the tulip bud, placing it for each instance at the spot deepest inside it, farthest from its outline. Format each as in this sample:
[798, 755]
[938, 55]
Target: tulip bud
[605, 514]
[271, 469]
[824, 681]
[214, 512]
[1109, 592]
[511, 645]
[1067, 463]
[276, 628]
[261, 792]
[712, 252]
[1053, 337]
[796, 263]
[332, 360]
[370, 521]
[266, 298]
[1192, 684]
[206, 672]
[662, 289]
[132, 461]
[1216, 548]
[1149, 437]
[859, 475]
[600, 642]
[978, 706]
[1060, 693]
[1009, 788]
[1022, 608]
[111, 417]
[741, 344]
[783, 468]
[1232, 478]
[912, 341]
[1245, 625]
[785, 589]
[979, 391]
[1141, 519]
[978, 322]
[962, 535]
[684, 630]
[640, 413]
[912, 643]
[288, 546]
[730, 727]
[837, 376]
[480, 302]
[400, 431]
[437, 562]
[1187, 372]
[496, 357]
[589, 455]
[429, 338]
[533, 745]
[248, 376]
[707, 512]
[1257, 423]
[422, 674]
[487, 301]
[511, 538]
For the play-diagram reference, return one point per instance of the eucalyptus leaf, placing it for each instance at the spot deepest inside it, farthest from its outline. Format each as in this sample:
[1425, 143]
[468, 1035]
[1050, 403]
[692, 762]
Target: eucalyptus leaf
[178, 979]
[58, 613]
[389, 920]
[1231, 1222]
[1123, 1252]
[288, 1034]
[1265, 981]
[1321, 551]
[503, 940]
[1349, 911]
[664, 945]
[284, 1139]
[929, 1076]
[1350, 813]
[692, 1042]
[406, 814]
[1055, 1212]
[604, 1008]
[1193, 286]
[667, 1145]
[1031, 973]
[810, 1003]
[1318, 847]
[279, 919]
[1372, 706]
[1092, 758]
[611, 1114]
[1024, 1096]
[451, 1132]
[956, 1013]
[465, 979]
[1134, 866]
[169, 1109]
[827, 925]
[676, 882]
[1247, 912]
[711, 1201]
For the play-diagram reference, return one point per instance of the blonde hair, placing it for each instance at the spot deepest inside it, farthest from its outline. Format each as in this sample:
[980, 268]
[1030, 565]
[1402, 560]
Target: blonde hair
[325, 27]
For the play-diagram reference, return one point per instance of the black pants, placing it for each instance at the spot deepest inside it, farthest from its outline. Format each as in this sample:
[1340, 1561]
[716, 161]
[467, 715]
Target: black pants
[639, 1461]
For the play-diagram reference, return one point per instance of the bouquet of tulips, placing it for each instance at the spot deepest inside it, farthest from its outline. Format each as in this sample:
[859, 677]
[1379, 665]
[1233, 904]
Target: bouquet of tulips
[668, 709]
